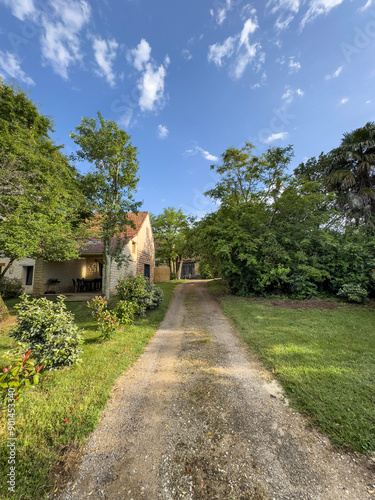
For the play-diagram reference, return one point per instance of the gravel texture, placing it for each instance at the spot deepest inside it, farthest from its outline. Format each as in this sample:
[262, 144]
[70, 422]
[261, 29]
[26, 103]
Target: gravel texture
[197, 417]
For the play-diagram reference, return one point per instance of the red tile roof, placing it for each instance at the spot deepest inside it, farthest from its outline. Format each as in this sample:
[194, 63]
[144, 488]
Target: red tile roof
[96, 246]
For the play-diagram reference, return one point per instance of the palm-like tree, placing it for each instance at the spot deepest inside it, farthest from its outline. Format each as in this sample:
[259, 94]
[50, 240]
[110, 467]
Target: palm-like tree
[350, 172]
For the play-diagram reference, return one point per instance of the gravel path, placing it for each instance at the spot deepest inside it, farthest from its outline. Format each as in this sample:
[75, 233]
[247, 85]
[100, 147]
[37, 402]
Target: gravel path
[198, 418]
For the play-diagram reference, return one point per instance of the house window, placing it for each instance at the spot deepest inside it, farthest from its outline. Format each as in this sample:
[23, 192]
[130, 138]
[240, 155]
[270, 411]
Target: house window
[134, 247]
[28, 272]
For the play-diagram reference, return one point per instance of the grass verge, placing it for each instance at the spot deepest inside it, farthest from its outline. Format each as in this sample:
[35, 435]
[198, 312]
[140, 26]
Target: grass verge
[324, 359]
[54, 419]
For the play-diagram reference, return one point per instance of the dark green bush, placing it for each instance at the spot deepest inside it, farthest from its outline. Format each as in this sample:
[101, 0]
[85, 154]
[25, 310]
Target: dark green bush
[10, 288]
[48, 329]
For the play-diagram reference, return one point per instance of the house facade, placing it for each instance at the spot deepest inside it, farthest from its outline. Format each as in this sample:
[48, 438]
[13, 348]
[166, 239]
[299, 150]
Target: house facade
[40, 277]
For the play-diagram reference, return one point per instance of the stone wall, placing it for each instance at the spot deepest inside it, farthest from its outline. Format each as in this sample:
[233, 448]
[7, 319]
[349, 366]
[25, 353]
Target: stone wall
[18, 270]
[129, 267]
[162, 274]
[145, 249]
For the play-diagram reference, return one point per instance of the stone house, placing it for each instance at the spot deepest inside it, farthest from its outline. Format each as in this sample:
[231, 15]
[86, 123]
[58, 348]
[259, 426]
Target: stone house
[40, 276]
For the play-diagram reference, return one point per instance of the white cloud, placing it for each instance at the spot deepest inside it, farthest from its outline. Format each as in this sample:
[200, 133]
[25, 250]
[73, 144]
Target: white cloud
[288, 8]
[105, 54]
[294, 65]
[217, 52]
[290, 94]
[162, 132]
[60, 41]
[20, 8]
[280, 136]
[205, 154]
[10, 66]
[240, 47]
[344, 100]
[317, 8]
[335, 74]
[368, 102]
[221, 12]
[186, 54]
[151, 82]
[151, 86]
[366, 6]
[140, 56]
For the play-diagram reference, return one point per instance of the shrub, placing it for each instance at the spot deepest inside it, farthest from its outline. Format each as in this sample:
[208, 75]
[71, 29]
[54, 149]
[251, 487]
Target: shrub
[21, 374]
[155, 298]
[107, 320]
[49, 331]
[134, 289]
[136, 294]
[205, 271]
[174, 276]
[353, 293]
[10, 288]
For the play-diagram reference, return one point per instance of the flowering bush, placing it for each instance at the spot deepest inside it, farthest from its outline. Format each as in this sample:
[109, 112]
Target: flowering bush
[107, 320]
[353, 293]
[48, 329]
[21, 374]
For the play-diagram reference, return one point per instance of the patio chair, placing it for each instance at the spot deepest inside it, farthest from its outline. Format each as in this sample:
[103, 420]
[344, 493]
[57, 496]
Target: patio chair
[75, 287]
[81, 285]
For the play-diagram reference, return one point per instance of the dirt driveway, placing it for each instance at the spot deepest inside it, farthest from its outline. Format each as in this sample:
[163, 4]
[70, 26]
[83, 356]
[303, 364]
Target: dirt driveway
[198, 418]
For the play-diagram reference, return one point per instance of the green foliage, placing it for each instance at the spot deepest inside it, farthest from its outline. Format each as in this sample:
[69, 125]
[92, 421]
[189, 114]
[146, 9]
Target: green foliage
[205, 271]
[109, 187]
[10, 288]
[107, 320]
[39, 192]
[137, 295]
[22, 373]
[155, 296]
[353, 293]
[171, 233]
[275, 234]
[49, 331]
[126, 310]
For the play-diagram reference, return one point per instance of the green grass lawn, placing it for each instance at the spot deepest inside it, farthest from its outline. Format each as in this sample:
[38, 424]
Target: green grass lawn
[77, 394]
[324, 359]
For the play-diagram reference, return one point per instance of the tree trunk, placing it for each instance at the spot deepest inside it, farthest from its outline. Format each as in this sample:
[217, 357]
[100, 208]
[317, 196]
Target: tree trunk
[4, 314]
[107, 273]
[179, 268]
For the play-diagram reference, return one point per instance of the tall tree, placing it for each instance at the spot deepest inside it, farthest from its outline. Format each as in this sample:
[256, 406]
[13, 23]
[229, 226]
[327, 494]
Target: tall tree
[171, 229]
[39, 190]
[110, 185]
[350, 171]
[245, 175]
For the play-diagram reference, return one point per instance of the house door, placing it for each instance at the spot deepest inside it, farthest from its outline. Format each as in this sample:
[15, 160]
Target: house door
[147, 271]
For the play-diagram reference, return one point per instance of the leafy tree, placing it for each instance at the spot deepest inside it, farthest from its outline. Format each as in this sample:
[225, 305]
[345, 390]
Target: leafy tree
[171, 229]
[39, 190]
[110, 185]
[244, 175]
[350, 171]
[272, 240]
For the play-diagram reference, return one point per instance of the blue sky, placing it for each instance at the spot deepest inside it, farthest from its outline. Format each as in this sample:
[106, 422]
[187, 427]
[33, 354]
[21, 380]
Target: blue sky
[189, 78]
